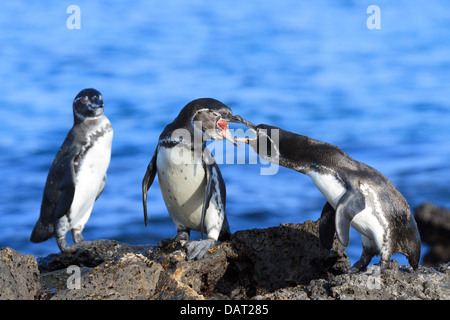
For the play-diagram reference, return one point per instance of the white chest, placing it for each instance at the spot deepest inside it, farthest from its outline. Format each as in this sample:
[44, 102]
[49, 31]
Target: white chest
[89, 177]
[331, 188]
[183, 185]
[96, 160]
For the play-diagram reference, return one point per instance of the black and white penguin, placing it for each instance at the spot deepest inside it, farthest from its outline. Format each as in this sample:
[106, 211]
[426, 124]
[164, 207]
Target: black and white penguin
[357, 195]
[190, 180]
[77, 175]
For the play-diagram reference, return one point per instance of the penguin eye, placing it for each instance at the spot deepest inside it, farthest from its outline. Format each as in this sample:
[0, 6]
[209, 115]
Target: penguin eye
[101, 98]
[84, 100]
[216, 114]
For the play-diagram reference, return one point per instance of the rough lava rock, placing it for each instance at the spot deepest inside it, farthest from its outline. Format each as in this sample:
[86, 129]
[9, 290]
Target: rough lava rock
[285, 262]
[434, 227]
[19, 275]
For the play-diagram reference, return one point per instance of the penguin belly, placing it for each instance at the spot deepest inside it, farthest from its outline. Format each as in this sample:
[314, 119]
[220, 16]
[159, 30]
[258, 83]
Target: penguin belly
[88, 180]
[183, 186]
[371, 222]
[331, 188]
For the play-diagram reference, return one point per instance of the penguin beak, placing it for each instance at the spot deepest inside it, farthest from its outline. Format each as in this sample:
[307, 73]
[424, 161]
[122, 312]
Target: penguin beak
[243, 140]
[95, 103]
[248, 124]
[225, 132]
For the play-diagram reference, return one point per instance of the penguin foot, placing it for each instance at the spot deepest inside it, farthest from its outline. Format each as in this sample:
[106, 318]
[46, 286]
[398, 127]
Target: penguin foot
[383, 265]
[358, 267]
[197, 249]
[70, 248]
[64, 247]
[353, 270]
[83, 243]
[361, 264]
[77, 236]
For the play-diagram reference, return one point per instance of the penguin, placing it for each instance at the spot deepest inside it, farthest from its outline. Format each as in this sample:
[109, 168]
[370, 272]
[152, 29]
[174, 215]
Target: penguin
[357, 195]
[77, 175]
[191, 184]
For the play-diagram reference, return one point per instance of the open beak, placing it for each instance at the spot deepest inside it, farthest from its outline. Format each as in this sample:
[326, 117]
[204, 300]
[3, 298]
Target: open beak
[225, 132]
[243, 140]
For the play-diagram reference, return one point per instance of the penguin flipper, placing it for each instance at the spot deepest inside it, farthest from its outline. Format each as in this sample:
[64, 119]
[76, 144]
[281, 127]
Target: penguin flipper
[65, 169]
[327, 226]
[147, 182]
[58, 193]
[350, 204]
[213, 188]
[207, 199]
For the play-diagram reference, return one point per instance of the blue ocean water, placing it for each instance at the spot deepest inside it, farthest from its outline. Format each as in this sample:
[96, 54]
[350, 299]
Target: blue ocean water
[309, 67]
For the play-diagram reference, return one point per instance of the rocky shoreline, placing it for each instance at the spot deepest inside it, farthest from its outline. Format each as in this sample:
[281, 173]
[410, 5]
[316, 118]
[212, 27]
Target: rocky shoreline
[278, 263]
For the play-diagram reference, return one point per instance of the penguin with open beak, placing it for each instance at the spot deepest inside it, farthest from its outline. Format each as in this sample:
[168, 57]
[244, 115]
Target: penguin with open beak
[190, 180]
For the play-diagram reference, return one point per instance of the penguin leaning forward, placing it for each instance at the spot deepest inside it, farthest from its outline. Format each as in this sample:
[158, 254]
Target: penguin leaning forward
[77, 175]
[190, 180]
[357, 195]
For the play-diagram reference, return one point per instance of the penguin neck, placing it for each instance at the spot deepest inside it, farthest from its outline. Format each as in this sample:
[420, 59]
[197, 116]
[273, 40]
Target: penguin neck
[296, 152]
[79, 118]
[176, 134]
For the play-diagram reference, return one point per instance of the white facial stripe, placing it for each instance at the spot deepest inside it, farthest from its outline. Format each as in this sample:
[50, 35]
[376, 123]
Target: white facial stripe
[276, 158]
[195, 114]
[79, 116]
[81, 98]
[87, 98]
[199, 129]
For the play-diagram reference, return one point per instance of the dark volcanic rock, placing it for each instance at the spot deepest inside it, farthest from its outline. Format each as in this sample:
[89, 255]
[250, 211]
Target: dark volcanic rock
[395, 283]
[19, 275]
[434, 227]
[288, 255]
[128, 276]
[285, 262]
[254, 262]
[92, 254]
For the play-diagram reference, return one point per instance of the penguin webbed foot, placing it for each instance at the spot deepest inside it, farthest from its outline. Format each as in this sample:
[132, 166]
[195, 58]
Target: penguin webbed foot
[78, 237]
[361, 265]
[353, 270]
[70, 248]
[383, 265]
[196, 249]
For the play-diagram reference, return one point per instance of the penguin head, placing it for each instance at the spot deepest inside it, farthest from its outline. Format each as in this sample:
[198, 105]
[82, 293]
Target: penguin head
[412, 244]
[211, 117]
[87, 104]
[265, 140]
[256, 130]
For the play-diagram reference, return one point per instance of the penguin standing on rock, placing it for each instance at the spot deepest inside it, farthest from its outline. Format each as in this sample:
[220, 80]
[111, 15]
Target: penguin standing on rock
[77, 175]
[191, 183]
[357, 195]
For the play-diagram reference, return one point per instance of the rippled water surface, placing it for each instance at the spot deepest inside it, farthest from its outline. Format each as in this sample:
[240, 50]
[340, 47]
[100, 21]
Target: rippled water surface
[309, 67]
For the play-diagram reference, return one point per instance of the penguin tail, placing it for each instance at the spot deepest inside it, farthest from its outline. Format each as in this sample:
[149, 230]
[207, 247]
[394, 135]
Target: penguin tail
[225, 233]
[41, 232]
